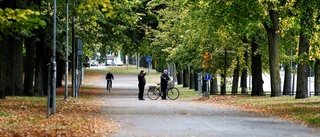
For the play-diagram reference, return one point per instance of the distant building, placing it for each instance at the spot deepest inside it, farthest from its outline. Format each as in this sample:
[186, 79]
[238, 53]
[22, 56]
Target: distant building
[114, 59]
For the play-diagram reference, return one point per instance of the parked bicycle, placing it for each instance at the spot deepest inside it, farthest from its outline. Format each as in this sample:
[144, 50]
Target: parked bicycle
[109, 84]
[154, 92]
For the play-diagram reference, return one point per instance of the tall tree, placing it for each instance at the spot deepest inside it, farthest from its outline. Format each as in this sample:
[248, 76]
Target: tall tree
[244, 75]
[274, 50]
[256, 68]
[306, 23]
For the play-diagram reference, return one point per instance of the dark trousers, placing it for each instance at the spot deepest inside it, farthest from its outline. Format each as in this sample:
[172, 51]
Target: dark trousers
[164, 92]
[108, 83]
[141, 91]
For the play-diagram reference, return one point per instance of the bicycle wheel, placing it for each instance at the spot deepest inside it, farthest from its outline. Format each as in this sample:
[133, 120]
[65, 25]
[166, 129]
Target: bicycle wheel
[173, 93]
[153, 93]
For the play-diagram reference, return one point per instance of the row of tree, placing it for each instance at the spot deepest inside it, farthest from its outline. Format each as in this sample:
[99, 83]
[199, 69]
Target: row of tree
[264, 35]
[26, 41]
[276, 34]
[26, 37]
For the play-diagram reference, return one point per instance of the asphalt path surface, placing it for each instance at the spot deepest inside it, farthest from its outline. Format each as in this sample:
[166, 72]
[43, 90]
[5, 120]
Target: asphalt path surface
[186, 117]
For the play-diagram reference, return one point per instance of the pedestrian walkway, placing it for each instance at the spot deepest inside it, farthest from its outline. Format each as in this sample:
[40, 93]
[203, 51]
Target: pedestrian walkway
[187, 118]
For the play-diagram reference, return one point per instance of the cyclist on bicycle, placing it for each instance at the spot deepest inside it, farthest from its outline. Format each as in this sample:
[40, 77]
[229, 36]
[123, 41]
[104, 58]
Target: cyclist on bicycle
[109, 78]
[164, 84]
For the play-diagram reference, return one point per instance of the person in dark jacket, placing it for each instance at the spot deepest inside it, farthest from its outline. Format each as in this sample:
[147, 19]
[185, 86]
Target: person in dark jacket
[109, 78]
[164, 84]
[142, 83]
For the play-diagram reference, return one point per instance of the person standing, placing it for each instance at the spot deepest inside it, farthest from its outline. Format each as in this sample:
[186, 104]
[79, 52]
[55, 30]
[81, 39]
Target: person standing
[142, 83]
[109, 78]
[164, 84]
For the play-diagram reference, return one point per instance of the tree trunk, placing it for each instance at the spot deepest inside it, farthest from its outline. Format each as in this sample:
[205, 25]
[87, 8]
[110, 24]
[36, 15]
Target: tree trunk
[256, 68]
[29, 67]
[192, 85]
[274, 62]
[317, 78]
[302, 74]
[174, 72]
[304, 45]
[10, 82]
[214, 86]
[3, 59]
[5, 43]
[235, 81]
[287, 81]
[244, 75]
[180, 77]
[195, 81]
[18, 67]
[186, 78]
[39, 68]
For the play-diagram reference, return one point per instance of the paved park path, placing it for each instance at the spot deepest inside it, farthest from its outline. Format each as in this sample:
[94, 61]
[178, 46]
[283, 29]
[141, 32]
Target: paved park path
[187, 118]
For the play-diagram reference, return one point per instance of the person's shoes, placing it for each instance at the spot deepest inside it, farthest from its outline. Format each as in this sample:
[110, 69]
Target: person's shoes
[141, 99]
[164, 99]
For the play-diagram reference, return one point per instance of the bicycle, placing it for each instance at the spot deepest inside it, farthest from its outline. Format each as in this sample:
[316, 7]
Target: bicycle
[154, 92]
[109, 84]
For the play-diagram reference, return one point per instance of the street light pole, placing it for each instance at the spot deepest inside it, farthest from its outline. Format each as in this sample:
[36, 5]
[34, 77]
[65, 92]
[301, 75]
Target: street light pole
[54, 65]
[67, 46]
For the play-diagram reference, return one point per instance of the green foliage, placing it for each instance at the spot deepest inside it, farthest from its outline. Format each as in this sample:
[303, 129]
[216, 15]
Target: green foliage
[177, 31]
[19, 21]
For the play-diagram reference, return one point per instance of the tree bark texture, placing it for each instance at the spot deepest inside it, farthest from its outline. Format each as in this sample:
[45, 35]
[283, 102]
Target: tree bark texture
[304, 46]
[29, 66]
[39, 69]
[302, 74]
[180, 77]
[274, 62]
[10, 81]
[195, 81]
[186, 78]
[317, 78]
[244, 75]
[18, 67]
[256, 68]
[235, 81]
[3, 59]
[287, 81]
[192, 85]
[4, 48]
[174, 72]
[214, 86]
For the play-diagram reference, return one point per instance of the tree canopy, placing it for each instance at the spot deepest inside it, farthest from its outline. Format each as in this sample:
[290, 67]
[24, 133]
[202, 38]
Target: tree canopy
[181, 31]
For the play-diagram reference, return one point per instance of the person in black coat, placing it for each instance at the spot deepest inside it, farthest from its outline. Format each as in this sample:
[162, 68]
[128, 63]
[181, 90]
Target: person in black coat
[109, 78]
[164, 84]
[142, 83]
